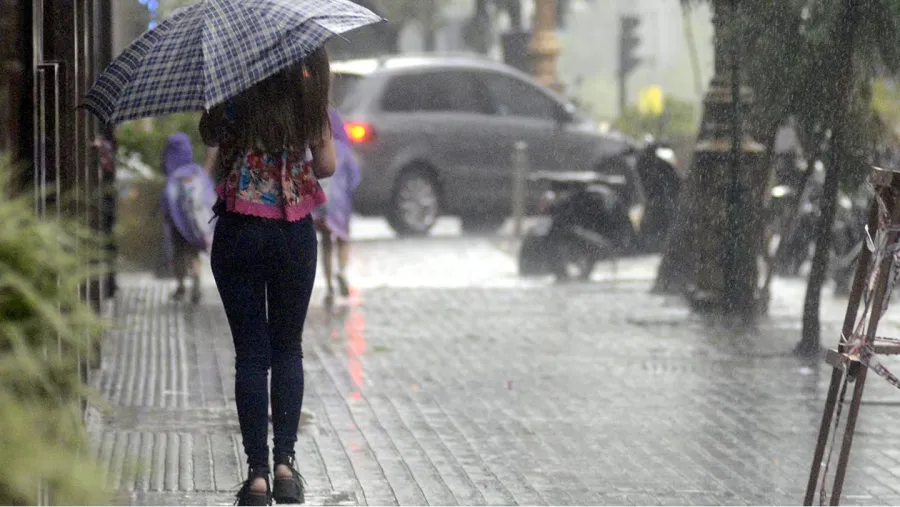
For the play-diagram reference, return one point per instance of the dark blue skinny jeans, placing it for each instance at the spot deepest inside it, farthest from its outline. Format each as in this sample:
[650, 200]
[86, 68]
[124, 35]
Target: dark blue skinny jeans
[265, 270]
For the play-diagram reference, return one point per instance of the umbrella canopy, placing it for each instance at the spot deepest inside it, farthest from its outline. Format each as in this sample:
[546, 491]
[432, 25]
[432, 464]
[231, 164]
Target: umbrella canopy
[210, 51]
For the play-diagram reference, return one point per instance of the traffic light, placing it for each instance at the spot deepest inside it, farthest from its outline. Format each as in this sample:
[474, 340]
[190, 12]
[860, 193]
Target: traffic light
[628, 60]
[628, 44]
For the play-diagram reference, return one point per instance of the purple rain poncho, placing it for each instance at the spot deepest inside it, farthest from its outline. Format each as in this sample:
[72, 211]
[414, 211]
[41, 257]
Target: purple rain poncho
[339, 187]
[178, 164]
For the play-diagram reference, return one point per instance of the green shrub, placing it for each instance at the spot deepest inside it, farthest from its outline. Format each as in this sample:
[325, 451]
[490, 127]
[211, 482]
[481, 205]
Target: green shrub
[140, 228]
[43, 327]
[148, 137]
[678, 121]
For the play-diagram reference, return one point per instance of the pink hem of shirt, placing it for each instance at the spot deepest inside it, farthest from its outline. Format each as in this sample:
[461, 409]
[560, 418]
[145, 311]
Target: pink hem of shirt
[293, 213]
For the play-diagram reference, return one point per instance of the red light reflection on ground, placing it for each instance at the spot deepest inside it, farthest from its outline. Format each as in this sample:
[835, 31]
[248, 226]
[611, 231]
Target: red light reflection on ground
[356, 346]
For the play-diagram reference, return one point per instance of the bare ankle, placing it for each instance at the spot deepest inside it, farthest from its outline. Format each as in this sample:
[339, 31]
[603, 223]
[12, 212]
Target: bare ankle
[282, 470]
[258, 485]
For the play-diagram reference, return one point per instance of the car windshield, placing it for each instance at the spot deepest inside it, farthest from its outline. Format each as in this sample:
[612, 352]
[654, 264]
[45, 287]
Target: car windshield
[342, 87]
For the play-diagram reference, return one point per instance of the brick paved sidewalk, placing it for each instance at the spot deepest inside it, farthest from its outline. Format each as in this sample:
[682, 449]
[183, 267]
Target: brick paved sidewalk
[488, 394]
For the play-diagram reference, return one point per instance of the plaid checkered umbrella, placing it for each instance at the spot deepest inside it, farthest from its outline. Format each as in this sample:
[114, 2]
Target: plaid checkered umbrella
[210, 51]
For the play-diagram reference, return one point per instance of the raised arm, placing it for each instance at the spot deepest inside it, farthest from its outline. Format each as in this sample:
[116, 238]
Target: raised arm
[210, 123]
[324, 160]
[210, 163]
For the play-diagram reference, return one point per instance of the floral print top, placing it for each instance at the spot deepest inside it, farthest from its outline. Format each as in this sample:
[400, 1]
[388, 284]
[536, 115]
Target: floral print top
[279, 186]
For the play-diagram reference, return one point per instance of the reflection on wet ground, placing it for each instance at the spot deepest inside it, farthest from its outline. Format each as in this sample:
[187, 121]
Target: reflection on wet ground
[444, 379]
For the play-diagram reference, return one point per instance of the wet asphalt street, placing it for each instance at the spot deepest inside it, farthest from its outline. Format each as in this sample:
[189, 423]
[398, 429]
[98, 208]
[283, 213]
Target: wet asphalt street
[446, 379]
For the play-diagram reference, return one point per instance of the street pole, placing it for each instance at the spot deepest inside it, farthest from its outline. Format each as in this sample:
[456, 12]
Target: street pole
[733, 288]
[545, 45]
[520, 169]
[714, 259]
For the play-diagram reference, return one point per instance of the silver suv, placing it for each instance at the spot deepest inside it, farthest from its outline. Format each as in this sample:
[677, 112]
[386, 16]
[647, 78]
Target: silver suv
[436, 135]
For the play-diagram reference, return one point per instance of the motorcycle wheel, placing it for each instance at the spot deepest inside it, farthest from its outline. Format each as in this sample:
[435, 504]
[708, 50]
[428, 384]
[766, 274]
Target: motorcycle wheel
[572, 262]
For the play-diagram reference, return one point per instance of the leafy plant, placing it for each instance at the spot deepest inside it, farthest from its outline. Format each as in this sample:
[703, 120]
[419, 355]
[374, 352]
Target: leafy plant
[148, 137]
[44, 327]
[139, 231]
[886, 103]
[678, 120]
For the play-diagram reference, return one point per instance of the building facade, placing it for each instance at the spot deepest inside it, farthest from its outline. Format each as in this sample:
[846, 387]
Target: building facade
[50, 52]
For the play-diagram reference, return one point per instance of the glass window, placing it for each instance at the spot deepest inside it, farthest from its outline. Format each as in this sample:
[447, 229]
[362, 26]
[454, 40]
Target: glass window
[514, 97]
[342, 86]
[444, 91]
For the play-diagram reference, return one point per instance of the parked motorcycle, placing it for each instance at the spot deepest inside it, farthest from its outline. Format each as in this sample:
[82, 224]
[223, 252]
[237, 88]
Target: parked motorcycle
[792, 235]
[585, 219]
[793, 238]
[627, 207]
[848, 240]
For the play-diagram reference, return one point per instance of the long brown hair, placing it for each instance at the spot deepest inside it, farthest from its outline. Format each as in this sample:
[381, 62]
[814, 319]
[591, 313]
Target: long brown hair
[287, 110]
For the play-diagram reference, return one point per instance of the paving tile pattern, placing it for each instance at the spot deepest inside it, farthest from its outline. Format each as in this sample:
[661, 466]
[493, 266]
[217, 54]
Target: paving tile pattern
[489, 395]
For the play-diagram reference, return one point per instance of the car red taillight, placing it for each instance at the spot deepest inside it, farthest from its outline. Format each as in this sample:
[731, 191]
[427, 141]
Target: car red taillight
[546, 201]
[359, 132]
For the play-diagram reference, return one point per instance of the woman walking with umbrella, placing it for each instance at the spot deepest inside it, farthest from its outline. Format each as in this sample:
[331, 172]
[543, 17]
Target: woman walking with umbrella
[257, 68]
[274, 141]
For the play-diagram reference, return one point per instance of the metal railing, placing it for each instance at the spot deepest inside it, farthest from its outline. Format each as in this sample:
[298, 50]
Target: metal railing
[66, 55]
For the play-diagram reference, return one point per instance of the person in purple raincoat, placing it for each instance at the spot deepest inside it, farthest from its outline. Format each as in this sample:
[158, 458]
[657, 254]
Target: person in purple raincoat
[187, 201]
[333, 218]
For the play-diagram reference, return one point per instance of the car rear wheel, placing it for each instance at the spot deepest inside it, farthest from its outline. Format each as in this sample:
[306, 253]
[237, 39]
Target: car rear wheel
[415, 204]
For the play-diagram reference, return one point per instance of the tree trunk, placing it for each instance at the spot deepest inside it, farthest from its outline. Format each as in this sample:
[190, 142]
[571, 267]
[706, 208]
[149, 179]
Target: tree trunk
[842, 77]
[678, 267]
[694, 259]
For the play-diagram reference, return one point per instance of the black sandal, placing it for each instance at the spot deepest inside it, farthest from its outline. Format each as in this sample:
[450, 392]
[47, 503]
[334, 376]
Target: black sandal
[247, 496]
[289, 489]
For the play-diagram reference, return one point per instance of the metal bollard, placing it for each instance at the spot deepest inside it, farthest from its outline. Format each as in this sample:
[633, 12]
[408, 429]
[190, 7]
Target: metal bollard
[520, 170]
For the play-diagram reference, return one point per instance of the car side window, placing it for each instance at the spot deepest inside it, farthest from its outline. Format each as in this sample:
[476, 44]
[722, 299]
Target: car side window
[442, 91]
[514, 97]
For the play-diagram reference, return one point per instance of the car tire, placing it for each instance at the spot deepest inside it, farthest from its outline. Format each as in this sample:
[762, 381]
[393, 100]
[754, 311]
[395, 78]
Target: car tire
[482, 223]
[415, 203]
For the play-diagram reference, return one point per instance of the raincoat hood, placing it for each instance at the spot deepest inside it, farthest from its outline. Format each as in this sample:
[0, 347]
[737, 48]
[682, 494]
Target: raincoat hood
[189, 194]
[178, 153]
[337, 127]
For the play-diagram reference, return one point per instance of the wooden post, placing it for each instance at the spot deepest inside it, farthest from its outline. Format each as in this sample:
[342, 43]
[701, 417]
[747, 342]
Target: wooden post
[544, 44]
[848, 367]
